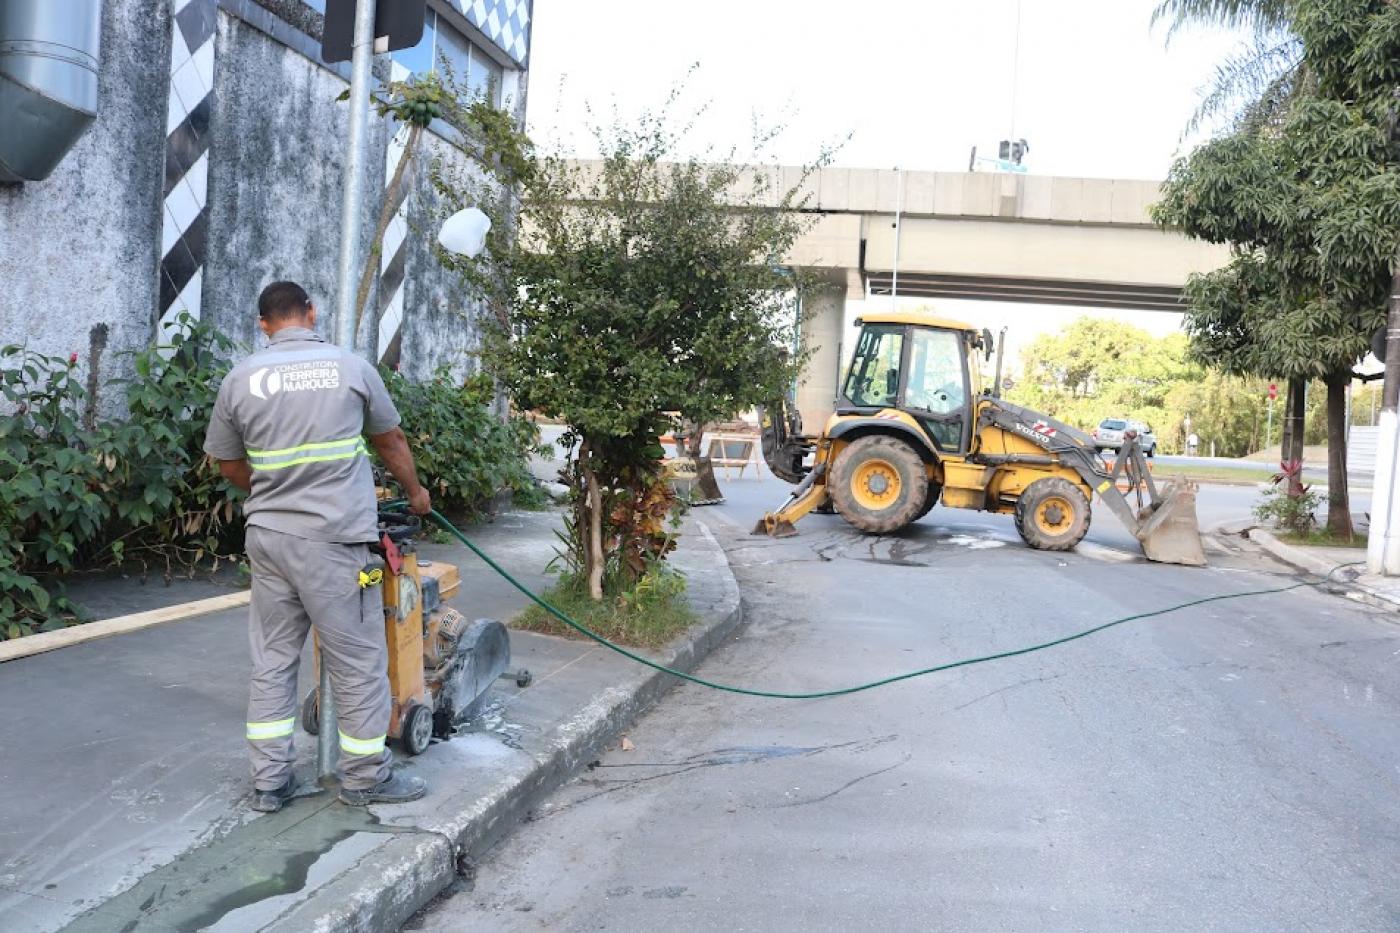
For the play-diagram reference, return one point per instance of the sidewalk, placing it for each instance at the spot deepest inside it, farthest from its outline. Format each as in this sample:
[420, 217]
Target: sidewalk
[1343, 568]
[1337, 565]
[126, 777]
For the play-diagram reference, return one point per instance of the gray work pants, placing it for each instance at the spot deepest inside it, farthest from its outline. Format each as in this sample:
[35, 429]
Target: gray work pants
[298, 584]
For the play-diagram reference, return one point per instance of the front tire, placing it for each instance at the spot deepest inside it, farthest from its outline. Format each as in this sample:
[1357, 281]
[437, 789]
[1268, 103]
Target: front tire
[879, 484]
[1052, 514]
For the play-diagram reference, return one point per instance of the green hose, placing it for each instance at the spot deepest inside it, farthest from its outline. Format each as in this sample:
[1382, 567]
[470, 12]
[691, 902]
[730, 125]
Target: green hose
[744, 691]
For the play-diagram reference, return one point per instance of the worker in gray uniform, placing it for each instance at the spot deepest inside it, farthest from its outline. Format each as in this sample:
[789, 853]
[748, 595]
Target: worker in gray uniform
[289, 427]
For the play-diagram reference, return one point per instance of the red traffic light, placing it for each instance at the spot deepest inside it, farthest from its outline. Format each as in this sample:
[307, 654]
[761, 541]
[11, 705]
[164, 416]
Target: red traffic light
[1273, 391]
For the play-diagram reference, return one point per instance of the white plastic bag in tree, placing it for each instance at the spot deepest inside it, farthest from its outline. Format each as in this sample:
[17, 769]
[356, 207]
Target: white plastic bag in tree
[464, 233]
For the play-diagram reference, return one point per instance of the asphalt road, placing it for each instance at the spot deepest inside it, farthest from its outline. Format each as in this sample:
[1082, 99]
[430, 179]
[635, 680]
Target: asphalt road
[1234, 766]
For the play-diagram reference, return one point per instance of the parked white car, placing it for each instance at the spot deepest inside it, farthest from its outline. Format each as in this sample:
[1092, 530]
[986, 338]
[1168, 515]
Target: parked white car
[1110, 433]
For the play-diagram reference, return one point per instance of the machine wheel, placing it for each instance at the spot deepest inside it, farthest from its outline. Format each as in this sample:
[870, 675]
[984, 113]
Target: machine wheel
[935, 491]
[311, 713]
[879, 485]
[1052, 514]
[417, 729]
[1152, 451]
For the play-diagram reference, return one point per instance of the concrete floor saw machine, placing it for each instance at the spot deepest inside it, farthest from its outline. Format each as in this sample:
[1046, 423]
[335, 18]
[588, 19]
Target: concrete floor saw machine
[440, 665]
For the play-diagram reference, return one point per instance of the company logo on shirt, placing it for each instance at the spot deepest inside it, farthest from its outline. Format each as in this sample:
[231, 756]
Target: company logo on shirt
[310, 376]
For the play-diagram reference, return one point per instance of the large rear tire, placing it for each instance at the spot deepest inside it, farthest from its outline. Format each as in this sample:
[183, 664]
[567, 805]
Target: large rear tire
[1052, 514]
[879, 484]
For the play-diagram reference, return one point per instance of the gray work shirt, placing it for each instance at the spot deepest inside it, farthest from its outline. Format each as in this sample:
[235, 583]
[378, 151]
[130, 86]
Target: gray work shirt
[297, 412]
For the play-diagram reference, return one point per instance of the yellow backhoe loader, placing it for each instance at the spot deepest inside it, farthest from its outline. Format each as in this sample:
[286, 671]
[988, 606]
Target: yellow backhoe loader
[913, 427]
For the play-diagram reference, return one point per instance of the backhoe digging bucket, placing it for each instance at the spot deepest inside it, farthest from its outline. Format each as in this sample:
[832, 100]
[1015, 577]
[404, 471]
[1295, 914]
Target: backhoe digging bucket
[1170, 533]
[774, 527]
[693, 479]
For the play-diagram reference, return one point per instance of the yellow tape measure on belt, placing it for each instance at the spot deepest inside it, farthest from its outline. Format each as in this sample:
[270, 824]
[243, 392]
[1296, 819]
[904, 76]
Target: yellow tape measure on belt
[371, 576]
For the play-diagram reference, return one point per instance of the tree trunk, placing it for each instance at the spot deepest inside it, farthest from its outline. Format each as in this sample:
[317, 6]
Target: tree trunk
[1338, 496]
[592, 534]
[386, 216]
[695, 434]
[1294, 425]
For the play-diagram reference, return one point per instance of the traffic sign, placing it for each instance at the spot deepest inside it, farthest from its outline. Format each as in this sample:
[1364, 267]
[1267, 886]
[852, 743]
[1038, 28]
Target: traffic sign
[398, 21]
[1273, 391]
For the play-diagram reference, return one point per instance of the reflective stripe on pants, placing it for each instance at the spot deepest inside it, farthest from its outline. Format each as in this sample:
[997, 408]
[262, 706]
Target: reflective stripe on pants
[297, 585]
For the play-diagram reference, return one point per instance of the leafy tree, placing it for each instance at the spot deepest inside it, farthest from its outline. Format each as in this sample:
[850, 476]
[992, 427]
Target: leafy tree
[1255, 85]
[1094, 369]
[1312, 208]
[643, 291]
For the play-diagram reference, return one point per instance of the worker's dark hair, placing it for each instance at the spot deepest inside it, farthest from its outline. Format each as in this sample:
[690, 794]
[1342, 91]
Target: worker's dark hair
[283, 300]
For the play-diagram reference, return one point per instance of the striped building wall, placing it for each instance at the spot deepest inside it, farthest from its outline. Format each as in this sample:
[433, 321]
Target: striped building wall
[394, 255]
[185, 221]
[505, 22]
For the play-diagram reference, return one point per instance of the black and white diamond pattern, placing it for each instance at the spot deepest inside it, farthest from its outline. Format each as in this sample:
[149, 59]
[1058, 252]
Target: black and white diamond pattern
[505, 22]
[184, 228]
[393, 254]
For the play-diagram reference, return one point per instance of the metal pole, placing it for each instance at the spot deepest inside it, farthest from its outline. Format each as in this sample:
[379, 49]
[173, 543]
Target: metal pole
[354, 176]
[898, 216]
[355, 161]
[1383, 545]
[1269, 428]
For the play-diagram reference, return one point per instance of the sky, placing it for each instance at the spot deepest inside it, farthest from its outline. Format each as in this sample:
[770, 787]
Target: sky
[1090, 84]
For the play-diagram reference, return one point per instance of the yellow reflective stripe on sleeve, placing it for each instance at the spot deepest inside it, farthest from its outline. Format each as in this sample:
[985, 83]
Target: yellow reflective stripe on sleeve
[361, 746]
[1103, 487]
[346, 455]
[302, 448]
[270, 730]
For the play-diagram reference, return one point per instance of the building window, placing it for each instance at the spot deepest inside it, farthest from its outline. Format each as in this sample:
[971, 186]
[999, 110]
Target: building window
[472, 67]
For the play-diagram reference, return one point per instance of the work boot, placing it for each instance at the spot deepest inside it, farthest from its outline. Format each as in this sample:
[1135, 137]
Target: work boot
[398, 788]
[270, 801]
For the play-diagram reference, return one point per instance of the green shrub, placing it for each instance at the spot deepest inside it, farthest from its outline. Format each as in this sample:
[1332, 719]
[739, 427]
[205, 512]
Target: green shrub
[52, 484]
[648, 614]
[139, 489]
[1297, 514]
[174, 508]
[464, 453]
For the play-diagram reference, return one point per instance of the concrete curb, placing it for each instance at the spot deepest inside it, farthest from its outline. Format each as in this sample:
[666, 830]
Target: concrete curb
[1340, 582]
[384, 891]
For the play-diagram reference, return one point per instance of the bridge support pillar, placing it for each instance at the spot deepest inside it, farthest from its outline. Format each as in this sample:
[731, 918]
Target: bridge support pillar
[823, 313]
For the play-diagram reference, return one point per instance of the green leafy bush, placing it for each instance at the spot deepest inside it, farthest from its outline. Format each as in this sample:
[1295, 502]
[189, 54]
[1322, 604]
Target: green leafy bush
[1289, 504]
[75, 497]
[464, 453]
[52, 483]
[174, 508]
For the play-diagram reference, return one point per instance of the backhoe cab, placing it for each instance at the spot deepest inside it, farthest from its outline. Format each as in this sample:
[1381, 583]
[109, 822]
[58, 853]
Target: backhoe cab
[913, 427]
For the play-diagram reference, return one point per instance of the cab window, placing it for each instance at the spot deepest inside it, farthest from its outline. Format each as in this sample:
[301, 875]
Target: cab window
[873, 380]
[936, 378]
[937, 389]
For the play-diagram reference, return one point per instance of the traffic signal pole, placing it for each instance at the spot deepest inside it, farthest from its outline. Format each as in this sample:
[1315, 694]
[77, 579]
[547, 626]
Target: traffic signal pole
[1383, 545]
[327, 733]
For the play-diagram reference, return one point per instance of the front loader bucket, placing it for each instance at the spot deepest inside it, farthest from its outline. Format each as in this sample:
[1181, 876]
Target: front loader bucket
[1170, 533]
[693, 479]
